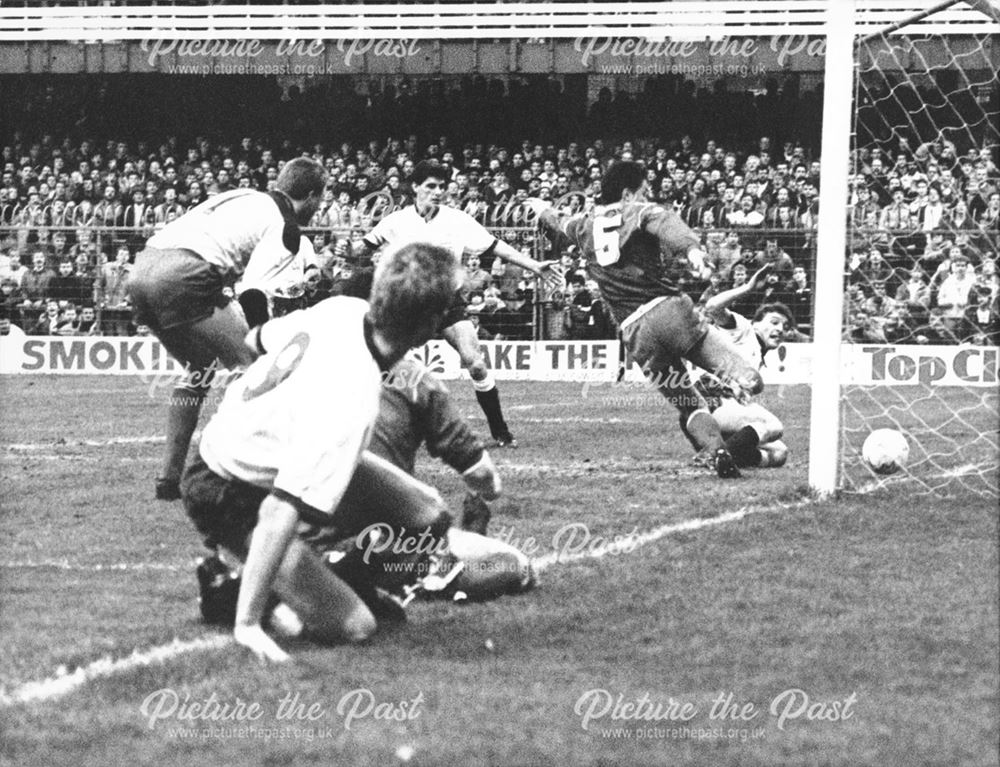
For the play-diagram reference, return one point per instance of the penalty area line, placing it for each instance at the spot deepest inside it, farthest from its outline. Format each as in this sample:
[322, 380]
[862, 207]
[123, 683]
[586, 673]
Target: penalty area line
[66, 682]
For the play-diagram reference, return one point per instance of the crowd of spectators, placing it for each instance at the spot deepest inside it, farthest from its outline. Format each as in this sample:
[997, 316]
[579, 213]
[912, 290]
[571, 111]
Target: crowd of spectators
[923, 235]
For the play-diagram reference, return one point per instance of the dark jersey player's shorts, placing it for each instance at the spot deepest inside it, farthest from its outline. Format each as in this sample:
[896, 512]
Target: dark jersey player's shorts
[174, 287]
[670, 329]
[662, 337]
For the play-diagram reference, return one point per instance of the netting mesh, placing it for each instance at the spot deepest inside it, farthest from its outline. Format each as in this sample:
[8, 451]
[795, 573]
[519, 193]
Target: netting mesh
[922, 289]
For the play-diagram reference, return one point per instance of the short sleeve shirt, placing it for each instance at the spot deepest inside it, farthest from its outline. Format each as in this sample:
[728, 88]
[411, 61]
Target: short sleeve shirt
[299, 417]
[227, 230]
[451, 229]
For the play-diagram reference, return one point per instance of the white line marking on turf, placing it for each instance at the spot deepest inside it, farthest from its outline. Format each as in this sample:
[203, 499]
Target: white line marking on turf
[65, 683]
[29, 446]
[65, 564]
[62, 684]
[633, 542]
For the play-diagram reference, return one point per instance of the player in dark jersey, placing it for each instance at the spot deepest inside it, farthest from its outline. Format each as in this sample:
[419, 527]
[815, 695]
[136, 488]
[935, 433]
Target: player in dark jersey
[417, 409]
[634, 251]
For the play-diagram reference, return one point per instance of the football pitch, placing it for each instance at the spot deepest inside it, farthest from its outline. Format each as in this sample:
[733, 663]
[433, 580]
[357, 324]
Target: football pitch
[679, 620]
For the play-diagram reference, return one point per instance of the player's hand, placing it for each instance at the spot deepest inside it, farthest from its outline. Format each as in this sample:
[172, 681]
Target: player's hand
[544, 268]
[483, 478]
[260, 644]
[698, 260]
[759, 279]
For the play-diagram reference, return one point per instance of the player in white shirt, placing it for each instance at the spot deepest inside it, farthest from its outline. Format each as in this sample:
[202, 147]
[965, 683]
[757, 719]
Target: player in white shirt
[289, 435]
[280, 275]
[427, 220]
[751, 431]
[177, 283]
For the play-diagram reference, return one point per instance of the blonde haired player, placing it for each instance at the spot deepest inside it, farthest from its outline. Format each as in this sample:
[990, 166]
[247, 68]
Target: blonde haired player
[289, 436]
[178, 288]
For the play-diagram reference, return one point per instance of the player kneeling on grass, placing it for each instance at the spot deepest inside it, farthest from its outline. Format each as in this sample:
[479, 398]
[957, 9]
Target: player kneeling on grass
[752, 432]
[289, 434]
[416, 409]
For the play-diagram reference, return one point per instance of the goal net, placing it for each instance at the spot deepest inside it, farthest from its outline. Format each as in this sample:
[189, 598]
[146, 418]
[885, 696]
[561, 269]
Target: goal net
[921, 300]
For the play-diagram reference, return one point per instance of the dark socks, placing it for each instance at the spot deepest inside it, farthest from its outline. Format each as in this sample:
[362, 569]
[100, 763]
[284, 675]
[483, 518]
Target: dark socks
[489, 401]
[743, 447]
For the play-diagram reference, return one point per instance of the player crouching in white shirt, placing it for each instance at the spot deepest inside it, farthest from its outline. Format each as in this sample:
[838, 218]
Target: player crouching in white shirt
[289, 435]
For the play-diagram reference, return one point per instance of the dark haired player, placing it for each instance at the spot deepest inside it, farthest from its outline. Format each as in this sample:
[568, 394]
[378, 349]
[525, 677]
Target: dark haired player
[177, 285]
[752, 432]
[632, 248]
[429, 221]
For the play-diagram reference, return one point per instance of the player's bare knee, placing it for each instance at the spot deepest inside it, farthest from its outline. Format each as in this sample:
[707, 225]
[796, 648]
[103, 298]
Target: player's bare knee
[477, 368]
[358, 625]
[777, 454]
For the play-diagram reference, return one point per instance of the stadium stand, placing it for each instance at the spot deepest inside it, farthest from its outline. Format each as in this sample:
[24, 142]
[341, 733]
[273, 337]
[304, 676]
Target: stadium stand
[95, 166]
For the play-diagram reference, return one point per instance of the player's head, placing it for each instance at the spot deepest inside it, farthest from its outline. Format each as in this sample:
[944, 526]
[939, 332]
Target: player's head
[413, 288]
[303, 180]
[771, 322]
[624, 181]
[429, 180]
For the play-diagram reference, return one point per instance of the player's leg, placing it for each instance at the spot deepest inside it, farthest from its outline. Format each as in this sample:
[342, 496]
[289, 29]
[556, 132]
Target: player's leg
[202, 346]
[773, 454]
[396, 523]
[180, 297]
[226, 512]
[491, 567]
[748, 428]
[717, 354]
[329, 608]
[649, 340]
[462, 337]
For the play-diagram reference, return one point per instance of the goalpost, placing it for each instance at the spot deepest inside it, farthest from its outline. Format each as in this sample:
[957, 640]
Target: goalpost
[917, 366]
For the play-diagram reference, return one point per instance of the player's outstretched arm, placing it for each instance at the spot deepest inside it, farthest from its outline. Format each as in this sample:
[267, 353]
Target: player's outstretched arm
[720, 302]
[507, 252]
[276, 524]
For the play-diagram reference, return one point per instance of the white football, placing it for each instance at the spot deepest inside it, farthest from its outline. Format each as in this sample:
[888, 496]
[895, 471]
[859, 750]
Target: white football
[885, 451]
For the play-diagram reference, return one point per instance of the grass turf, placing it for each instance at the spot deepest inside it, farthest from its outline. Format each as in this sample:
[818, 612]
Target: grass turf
[890, 597]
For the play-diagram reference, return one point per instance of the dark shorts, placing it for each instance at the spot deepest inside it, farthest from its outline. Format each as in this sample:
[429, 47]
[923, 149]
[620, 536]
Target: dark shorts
[660, 340]
[174, 287]
[223, 510]
[671, 329]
